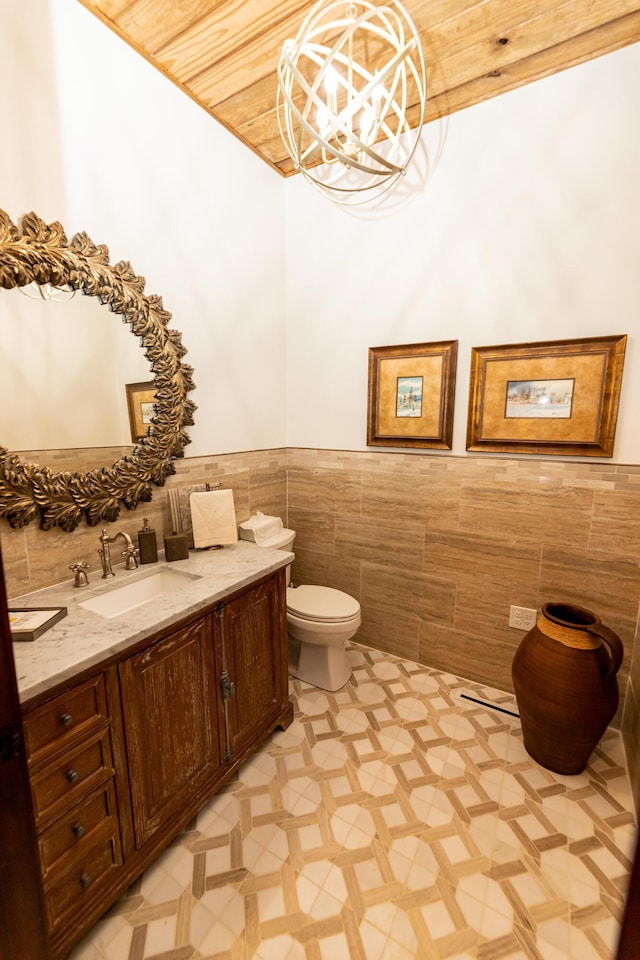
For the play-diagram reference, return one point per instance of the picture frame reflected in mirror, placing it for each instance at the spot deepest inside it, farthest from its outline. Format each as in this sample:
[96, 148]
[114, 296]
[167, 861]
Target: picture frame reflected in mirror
[141, 407]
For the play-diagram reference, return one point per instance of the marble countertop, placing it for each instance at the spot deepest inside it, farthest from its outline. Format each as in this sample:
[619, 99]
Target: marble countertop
[84, 639]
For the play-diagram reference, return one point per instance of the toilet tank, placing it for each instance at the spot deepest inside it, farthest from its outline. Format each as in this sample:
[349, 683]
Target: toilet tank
[283, 540]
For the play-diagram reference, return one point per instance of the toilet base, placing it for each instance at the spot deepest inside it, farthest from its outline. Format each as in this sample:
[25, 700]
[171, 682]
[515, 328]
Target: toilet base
[318, 664]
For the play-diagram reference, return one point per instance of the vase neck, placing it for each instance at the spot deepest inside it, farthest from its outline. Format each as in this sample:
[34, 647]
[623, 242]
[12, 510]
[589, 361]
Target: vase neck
[569, 624]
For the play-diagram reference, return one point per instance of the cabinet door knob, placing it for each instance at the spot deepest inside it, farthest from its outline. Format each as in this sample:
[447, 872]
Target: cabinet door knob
[66, 719]
[72, 775]
[78, 830]
[85, 880]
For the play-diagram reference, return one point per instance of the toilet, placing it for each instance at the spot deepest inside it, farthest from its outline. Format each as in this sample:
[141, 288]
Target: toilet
[320, 620]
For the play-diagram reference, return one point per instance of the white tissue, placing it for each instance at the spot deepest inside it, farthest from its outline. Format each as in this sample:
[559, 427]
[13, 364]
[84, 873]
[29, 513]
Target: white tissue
[260, 528]
[213, 518]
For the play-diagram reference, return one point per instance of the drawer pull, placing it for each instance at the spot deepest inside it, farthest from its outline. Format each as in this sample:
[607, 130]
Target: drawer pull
[85, 880]
[78, 830]
[66, 719]
[72, 775]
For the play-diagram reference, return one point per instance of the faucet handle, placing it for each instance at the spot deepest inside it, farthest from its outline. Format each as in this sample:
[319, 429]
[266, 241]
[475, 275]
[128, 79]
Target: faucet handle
[81, 579]
[131, 553]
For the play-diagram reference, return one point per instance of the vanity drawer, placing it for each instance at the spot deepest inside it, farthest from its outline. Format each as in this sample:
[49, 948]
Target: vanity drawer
[65, 719]
[80, 879]
[67, 779]
[77, 826]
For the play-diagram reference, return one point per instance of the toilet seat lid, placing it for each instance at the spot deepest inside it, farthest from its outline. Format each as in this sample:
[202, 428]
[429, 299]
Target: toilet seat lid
[321, 603]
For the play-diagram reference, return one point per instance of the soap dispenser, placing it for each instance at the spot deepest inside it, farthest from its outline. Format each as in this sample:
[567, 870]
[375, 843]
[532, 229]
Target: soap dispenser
[147, 543]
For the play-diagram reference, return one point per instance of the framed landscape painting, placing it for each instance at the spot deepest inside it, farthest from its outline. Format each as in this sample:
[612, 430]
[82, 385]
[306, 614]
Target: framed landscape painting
[560, 397]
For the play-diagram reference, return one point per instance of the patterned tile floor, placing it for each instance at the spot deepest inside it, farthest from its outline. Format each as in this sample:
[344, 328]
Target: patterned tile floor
[395, 819]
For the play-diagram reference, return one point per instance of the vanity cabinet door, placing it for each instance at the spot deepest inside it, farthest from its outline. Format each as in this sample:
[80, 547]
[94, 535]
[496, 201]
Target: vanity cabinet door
[254, 655]
[172, 729]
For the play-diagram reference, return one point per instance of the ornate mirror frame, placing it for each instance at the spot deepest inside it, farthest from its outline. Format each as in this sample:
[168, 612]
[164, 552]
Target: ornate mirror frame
[34, 251]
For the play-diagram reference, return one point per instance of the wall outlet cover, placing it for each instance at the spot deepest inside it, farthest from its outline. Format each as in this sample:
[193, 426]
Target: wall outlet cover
[522, 618]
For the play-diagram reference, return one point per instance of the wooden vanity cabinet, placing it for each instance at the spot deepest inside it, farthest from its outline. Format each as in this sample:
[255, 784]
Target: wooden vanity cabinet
[197, 701]
[122, 760]
[173, 724]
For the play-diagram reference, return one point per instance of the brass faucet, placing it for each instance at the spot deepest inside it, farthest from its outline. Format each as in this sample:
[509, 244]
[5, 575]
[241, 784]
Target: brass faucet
[105, 554]
[80, 569]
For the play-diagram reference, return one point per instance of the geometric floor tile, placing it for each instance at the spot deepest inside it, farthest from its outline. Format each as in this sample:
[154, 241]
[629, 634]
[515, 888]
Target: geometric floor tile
[399, 818]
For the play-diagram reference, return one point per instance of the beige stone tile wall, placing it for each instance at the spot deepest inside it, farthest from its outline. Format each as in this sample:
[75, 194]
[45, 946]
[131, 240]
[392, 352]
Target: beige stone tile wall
[436, 548]
[34, 558]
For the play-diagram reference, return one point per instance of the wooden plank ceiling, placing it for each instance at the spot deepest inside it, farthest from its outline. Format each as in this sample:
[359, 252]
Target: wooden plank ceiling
[224, 53]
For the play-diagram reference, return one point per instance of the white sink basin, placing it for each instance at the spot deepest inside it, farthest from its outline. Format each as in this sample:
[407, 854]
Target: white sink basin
[120, 599]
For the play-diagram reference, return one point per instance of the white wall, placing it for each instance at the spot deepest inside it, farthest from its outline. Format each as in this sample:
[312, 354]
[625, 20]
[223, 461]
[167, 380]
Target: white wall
[526, 230]
[94, 136]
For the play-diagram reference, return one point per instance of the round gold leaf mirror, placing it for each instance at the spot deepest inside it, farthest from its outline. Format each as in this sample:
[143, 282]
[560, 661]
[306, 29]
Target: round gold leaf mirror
[35, 252]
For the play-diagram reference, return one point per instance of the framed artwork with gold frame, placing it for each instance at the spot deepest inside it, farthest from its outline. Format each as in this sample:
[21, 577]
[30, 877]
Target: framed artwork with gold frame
[141, 398]
[558, 397]
[411, 394]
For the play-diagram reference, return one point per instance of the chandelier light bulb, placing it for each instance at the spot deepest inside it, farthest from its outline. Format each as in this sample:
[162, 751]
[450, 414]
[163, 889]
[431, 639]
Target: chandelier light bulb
[367, 123]
[330, 80]
[324, 121]
[346, 84]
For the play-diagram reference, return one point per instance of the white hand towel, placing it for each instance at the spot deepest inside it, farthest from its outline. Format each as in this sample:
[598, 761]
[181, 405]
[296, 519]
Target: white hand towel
[213, 517]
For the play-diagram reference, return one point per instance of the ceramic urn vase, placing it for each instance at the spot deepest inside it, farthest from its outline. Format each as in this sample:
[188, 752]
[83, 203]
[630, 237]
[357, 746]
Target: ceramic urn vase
[565, 679]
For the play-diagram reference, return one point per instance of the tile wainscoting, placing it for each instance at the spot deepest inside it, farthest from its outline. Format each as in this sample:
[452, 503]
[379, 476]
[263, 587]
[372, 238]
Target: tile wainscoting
[435, 547]
[35, 558]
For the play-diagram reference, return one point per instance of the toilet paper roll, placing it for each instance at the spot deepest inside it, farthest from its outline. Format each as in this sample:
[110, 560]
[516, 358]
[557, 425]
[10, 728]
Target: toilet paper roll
[213, 518]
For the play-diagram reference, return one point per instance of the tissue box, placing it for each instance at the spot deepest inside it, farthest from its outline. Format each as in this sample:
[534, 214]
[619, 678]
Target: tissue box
[259, 528]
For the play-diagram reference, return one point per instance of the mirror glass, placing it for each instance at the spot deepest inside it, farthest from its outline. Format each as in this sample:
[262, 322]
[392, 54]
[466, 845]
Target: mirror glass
[64, 370]
[36, 252]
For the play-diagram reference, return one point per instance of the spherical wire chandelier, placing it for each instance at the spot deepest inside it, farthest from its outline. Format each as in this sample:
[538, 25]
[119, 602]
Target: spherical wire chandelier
[351, 97]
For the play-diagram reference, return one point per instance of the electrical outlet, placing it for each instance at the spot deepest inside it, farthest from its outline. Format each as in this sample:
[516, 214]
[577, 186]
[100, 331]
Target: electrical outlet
[522, 618]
